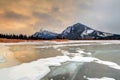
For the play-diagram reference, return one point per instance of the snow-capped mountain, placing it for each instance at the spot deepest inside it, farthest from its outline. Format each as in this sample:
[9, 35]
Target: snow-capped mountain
[80, 31]
[44, 34]
[76, 32]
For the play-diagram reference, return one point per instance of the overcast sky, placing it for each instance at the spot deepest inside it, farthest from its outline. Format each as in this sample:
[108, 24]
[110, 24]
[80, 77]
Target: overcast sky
[29, 16]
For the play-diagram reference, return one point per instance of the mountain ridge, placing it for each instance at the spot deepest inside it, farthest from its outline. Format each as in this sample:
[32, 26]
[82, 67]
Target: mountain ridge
[44, 34]
[76, 32]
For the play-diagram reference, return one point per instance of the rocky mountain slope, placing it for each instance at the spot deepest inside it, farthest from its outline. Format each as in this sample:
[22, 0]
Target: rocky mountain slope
[76, 32]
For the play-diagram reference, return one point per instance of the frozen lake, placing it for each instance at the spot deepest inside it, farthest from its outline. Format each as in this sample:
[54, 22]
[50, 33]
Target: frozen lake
[70, 60]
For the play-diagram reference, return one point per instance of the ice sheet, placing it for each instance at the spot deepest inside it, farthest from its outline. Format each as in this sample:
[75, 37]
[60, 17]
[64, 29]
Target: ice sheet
[38, 69]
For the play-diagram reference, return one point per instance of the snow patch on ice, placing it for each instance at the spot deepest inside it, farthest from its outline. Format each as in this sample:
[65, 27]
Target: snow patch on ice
[79, 52]
[103, 78]
[62, 45]
[83, 52]
[77, 43]
[110, 64]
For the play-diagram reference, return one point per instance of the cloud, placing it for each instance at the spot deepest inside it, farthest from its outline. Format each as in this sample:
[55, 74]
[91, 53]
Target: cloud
[46, 21]
[17, 16]
[10, 15]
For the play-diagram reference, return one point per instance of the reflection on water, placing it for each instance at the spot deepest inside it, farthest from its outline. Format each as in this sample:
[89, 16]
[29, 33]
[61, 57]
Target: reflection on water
[23, 53]
[17, 54]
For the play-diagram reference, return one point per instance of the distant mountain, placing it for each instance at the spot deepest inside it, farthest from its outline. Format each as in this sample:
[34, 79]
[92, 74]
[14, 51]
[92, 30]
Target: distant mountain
[80, 31]
[76, 32]
[45, 35]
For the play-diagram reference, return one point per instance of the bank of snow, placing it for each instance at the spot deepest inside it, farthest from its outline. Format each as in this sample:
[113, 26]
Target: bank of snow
[31, 71]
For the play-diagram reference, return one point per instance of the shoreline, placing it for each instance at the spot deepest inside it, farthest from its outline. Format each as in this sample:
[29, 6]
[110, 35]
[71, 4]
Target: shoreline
[5, 40]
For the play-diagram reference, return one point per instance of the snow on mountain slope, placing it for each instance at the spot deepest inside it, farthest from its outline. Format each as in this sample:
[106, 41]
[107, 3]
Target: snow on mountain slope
[80, 31]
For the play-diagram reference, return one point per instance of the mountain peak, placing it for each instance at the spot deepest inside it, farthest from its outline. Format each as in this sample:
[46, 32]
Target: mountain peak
[75, 31]
[44, 31]
[78, 24]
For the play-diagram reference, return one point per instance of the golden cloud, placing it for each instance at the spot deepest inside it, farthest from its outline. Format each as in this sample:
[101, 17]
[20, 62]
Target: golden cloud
[17, 16]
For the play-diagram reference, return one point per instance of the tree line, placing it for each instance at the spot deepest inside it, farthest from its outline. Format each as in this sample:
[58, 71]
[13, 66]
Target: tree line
[31, 37]
[19, 36]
